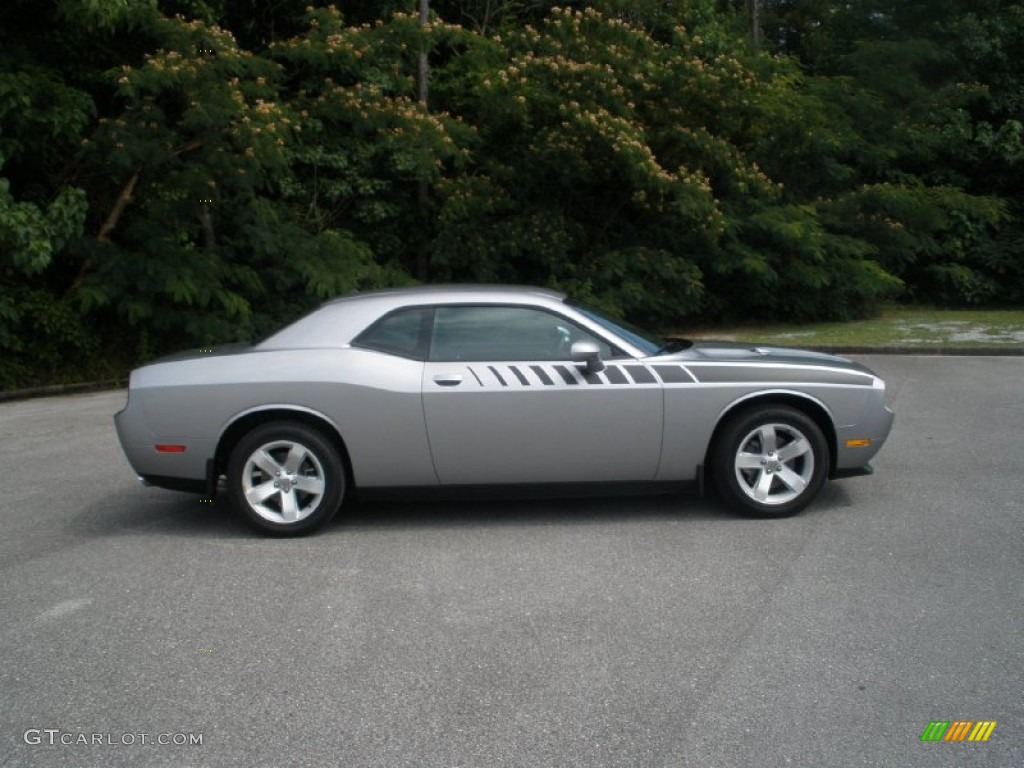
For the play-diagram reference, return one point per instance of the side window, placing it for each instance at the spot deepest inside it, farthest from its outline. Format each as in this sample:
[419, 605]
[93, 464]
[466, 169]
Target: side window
[404, 332]
[477, 334]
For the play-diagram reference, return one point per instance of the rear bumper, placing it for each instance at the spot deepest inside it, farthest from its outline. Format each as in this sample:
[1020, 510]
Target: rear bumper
[175, 483]
[181, 470]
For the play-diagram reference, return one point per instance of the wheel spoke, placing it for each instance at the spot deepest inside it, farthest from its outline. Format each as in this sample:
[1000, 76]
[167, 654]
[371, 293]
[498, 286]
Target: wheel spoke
[314, 485]
[792, 479]
[294, 459]
[289, 507]
[764, 485]
[266, 462]
[748, 461]
[798, 447]
[768, 441]
[260, 493]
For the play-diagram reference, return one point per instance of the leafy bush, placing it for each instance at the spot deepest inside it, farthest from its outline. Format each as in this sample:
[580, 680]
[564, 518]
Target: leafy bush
[182, 180]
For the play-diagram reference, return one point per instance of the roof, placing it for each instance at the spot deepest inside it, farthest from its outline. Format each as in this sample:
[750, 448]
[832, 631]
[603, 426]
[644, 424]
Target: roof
[460, 290]
[340, 319]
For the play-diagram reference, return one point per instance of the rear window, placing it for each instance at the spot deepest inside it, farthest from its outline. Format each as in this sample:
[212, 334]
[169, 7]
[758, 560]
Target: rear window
[404, 332]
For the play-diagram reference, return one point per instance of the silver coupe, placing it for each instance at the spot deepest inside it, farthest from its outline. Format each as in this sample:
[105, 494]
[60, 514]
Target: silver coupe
[522, 389]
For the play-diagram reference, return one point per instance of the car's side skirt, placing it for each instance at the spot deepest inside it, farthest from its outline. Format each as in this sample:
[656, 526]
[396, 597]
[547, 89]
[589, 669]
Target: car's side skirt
[530, 490]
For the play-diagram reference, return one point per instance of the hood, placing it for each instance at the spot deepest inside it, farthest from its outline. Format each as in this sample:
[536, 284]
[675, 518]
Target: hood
[735, 352]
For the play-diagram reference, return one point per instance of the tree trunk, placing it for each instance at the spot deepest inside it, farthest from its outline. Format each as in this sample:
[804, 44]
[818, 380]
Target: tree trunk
[108, 226]
[422, 257]
[754, 9]
[121, 203]
[206, 221]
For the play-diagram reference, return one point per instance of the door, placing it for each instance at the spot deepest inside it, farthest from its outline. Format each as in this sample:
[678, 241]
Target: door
[504, 404]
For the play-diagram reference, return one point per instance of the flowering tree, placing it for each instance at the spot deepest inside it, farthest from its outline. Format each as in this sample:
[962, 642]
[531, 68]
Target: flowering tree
[182, 179]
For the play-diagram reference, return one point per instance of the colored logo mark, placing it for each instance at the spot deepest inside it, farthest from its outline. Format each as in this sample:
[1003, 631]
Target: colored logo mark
[958, 730]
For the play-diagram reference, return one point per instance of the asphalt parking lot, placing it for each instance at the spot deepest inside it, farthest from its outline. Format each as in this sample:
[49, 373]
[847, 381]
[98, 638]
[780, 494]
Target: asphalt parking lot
[653, 631]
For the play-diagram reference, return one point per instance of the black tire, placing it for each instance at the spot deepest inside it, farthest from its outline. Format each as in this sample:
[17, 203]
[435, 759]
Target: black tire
[766, 483]
[296, 470]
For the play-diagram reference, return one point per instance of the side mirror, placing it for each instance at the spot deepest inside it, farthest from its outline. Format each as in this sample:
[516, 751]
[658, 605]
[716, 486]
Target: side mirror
[588, 355]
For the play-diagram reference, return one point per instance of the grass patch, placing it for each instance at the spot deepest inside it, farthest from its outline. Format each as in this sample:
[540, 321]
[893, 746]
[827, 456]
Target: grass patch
[894, 327]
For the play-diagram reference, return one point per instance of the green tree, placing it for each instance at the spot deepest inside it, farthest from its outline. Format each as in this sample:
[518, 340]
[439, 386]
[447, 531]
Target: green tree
[51, 56]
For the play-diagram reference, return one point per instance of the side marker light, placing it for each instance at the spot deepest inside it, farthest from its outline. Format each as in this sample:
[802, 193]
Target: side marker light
[170, 448]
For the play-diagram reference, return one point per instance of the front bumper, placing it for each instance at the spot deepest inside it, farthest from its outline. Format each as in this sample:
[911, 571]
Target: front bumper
[839, 474]
[866, 438]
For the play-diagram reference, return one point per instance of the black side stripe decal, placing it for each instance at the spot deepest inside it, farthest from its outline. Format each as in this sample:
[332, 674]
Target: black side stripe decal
[672, 374]
[498, 376]
[566, 374]
[542, 375]
[519, 375]
[640, 374]
[615, 375]
[719, 374]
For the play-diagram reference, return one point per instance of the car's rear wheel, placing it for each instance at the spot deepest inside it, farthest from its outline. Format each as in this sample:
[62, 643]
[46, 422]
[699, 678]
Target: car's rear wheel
[770, 461]
[286, 479]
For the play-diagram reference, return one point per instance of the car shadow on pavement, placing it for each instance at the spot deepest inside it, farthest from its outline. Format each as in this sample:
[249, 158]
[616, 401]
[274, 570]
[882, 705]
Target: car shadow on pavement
[436, 513]
[570, 511]
[142, 511]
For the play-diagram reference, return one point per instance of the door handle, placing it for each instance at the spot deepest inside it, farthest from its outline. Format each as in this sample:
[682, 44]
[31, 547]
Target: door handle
[448, 379]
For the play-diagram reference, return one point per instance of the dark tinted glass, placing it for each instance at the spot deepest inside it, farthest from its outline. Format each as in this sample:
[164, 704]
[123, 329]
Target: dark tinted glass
[404, 333]
[505, 333]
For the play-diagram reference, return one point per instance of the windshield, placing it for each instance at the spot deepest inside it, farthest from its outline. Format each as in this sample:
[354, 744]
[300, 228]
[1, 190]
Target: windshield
[649, 344]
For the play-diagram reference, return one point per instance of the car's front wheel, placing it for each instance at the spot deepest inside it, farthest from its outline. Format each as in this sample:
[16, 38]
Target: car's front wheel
[285, 478]
[770, 461]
